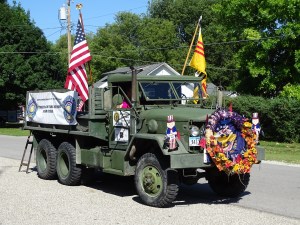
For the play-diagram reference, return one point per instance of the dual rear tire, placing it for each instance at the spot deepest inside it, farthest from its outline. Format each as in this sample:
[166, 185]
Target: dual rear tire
[52, 163]
[67, 170]
[46, 160]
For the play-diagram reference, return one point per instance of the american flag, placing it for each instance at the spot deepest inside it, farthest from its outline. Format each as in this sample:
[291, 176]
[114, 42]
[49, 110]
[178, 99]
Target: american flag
[77, 77]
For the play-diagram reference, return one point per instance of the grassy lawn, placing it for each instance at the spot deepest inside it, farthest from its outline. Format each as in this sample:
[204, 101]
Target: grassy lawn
[13, 131]
[282, 152]
[275, 151]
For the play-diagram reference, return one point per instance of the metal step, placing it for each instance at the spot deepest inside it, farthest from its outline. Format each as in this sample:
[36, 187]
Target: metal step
[28, 142]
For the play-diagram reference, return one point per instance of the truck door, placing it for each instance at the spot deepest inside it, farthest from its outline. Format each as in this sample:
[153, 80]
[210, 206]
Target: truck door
[120, 123]
[120, 126]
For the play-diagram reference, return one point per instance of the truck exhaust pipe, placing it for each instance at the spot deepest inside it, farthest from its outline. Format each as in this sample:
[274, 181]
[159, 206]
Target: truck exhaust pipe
[133, 86]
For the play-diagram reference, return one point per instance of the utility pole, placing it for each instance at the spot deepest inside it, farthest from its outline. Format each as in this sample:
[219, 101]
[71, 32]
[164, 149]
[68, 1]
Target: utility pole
[69, 31]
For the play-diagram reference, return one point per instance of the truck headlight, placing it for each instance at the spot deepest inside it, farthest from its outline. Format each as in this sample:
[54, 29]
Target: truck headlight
[194, 131]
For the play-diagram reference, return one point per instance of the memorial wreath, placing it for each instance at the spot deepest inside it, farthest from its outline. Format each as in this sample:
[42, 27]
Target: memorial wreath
[230, 142]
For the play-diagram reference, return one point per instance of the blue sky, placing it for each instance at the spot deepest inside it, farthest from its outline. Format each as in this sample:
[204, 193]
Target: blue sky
[96, 13]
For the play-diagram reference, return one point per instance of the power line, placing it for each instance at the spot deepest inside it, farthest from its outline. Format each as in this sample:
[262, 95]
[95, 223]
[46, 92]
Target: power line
[54, 33]
[168, 48]
[29, 26]
[90, 18]
[112, 57]
[154, 62]
[247, 40]
[45, 53]
[163, 48]
[95, 17]
[150, 49]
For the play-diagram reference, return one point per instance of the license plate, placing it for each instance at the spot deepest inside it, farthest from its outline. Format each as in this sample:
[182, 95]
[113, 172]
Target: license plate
[194, 141]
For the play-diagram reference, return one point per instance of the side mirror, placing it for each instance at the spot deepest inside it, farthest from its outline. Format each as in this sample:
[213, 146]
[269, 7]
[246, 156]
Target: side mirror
[117, 99]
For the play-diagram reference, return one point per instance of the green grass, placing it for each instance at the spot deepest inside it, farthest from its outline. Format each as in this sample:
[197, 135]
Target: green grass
[282, 152]
[14, 132]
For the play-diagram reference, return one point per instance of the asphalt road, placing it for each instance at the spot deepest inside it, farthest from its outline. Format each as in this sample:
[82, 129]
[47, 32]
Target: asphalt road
[272, 197]
[12, 147]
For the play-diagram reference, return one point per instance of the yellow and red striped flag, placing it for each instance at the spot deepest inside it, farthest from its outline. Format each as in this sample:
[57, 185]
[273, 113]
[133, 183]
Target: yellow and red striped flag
[198, 62]
[198, 59]
[200, 92]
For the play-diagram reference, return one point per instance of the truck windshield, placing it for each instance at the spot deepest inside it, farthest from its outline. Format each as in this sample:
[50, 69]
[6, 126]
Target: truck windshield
[158, 91]
[162, 90]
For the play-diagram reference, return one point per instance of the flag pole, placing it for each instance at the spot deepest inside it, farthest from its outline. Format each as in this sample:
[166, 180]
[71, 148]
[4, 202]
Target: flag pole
[79, 6]
[187, 57]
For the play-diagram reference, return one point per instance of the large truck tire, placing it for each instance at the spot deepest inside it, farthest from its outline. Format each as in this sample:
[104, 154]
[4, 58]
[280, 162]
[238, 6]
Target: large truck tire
[67, 170]
[46, 160]
[155, 186]
[227, 185]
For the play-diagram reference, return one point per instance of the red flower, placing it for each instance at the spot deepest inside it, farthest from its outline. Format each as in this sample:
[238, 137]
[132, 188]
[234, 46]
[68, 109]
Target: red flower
[228, 164]
[238, 159]
[202, 143]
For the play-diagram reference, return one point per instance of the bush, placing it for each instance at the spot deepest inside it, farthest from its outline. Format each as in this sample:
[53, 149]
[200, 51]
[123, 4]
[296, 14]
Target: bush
[285, 119]
[279, 117]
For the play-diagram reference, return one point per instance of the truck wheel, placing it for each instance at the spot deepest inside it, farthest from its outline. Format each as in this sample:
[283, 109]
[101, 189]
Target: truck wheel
[67, 170]
[228, 185]
[155, 186]
[46, 160]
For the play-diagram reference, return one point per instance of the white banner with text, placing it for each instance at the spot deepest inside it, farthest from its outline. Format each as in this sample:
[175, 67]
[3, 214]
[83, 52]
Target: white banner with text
[52, 107]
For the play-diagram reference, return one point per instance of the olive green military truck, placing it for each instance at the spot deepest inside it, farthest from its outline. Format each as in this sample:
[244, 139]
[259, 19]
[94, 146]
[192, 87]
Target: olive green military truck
[138, 141]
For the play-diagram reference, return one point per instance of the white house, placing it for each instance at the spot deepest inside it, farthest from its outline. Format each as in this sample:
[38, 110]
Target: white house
[158, 69]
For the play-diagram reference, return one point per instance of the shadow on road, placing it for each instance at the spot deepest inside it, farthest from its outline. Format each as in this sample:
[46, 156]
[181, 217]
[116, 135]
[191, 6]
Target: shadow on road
[113, 184]
[202, 193]
[188, 195]
[199, 193]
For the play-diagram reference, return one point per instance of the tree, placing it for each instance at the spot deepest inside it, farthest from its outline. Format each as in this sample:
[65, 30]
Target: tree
[163, 35]
[184, 14]
[26, 62]
[60, 48]
[134, 40]
[268, 36]
[116, 44]
[159, 43]
[291, 91]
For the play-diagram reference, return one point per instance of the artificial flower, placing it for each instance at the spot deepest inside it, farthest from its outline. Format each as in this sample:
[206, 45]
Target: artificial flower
[242, 162]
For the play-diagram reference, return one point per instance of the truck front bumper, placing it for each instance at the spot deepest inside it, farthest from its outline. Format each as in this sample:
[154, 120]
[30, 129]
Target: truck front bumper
[184, 161]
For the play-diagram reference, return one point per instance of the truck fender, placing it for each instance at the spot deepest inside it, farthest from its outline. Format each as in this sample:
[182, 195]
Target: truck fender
[142, 143]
